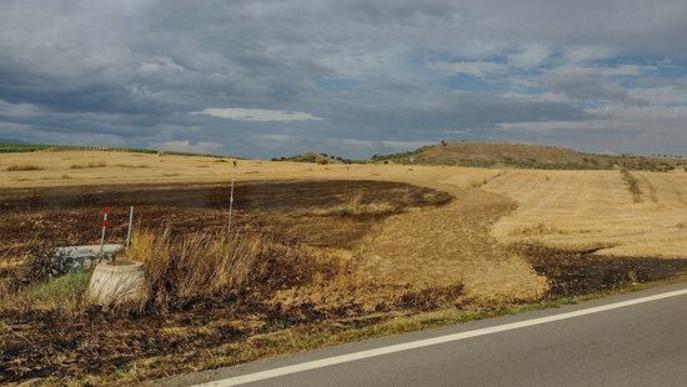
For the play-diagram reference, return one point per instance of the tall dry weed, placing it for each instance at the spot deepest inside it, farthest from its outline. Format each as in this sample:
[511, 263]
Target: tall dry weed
[246, 266]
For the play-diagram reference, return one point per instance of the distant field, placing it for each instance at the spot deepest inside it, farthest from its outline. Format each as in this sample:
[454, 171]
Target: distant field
[379, 241]
[17, 148]
[568, 209]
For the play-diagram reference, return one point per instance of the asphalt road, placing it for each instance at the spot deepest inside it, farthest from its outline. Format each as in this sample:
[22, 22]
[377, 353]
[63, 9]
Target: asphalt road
[633, 339]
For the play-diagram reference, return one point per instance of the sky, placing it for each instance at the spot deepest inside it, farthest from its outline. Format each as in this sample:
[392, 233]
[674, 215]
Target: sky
[350, 78]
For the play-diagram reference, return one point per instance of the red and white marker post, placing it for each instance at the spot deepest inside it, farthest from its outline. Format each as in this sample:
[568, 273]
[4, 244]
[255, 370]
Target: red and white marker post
[106, 223]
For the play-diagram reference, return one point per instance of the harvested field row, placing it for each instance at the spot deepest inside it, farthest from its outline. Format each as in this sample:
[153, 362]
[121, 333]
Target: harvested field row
[584, 209]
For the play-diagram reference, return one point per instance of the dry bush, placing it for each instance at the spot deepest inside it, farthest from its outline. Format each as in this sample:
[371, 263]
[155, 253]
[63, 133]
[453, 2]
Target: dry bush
[23, 167]
[44, 262]
[250, 267]
[92, 164]
[535, 230]
[478, 183]
[355, 207]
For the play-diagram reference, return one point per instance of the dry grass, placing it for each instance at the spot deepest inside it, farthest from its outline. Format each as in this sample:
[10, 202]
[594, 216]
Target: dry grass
[187, 268]
[355, 207]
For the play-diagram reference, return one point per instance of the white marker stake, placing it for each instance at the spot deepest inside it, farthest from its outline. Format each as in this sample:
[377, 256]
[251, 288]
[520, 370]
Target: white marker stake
[231, 197]
[128, 233]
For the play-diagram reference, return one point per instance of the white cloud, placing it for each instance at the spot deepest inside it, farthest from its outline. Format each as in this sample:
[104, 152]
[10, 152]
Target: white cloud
[530, 56]
[624, 70]
[620, 118]
[663, 95]
[475, 69]
[262, 115]
[588, 53]
[591, 83]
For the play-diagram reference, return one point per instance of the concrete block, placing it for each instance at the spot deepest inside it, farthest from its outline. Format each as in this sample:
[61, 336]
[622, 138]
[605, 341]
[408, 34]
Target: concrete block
[117, 284]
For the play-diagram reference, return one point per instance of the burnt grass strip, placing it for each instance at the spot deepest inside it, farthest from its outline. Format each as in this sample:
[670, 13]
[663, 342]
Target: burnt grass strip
[576, 273]
[632, 186]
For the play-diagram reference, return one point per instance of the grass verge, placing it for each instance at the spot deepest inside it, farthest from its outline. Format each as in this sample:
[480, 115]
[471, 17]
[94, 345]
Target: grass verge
[329, 333]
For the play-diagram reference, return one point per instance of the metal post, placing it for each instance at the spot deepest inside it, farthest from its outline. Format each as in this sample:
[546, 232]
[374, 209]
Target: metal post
[106, 211]
[128, 233]
[231, 197]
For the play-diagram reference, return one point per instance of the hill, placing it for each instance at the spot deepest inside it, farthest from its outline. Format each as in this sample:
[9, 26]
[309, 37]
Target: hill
[493, 154]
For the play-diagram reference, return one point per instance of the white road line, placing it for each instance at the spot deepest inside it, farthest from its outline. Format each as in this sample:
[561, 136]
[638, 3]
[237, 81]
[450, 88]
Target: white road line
[349, 357]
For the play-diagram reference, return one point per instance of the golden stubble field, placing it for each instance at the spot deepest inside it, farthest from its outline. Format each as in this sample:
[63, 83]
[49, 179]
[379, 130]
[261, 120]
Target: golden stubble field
[463, 241]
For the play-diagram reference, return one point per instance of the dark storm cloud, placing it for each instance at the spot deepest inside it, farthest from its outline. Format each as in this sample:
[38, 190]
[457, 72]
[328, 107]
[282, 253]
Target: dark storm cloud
[137, 72]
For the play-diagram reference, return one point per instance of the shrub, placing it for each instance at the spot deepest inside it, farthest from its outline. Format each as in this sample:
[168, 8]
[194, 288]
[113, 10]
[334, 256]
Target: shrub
[44, 262]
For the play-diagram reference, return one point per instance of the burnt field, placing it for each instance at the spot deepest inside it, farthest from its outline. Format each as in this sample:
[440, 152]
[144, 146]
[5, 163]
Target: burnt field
[286, 235]
[313, 263]
[324, 213]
